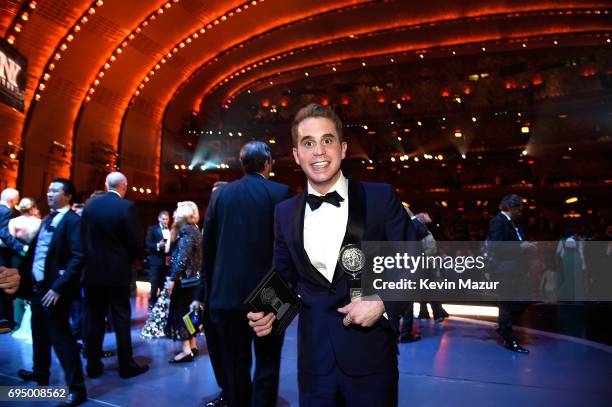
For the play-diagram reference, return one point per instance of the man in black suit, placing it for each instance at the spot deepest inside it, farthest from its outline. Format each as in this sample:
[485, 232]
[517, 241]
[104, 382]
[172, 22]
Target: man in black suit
[51, 273]
[507, 258]
[158, 244]
[211, 332]
[112, 241]
[238, 238]
[9, 245]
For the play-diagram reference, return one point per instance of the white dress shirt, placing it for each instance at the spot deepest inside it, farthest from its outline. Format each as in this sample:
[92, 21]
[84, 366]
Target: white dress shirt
[324, 230]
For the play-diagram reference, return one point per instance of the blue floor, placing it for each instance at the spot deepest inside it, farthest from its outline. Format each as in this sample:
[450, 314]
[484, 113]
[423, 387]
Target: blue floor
[457, 363]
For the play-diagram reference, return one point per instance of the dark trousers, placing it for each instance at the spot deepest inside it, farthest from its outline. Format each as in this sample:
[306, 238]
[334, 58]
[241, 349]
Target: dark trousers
[236, 338]
[157, 275]
[213, 343]
[337, 389]
[436, 308]
[6, 311]
[407, 320]
[97, 301]
[50, 327]
[76, 319]
[509, 314]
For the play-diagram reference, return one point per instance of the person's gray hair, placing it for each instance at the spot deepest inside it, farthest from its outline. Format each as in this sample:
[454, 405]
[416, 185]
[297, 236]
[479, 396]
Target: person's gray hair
[115, 179]
[9, 194]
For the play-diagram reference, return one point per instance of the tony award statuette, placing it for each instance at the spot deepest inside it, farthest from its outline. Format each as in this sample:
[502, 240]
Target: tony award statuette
[352, 261]
[268, 297]
[273, 295]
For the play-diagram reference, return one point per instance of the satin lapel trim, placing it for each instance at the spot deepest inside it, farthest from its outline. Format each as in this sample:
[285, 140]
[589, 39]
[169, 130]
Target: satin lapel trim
[57, 229]
[355, 226]
[298, 238]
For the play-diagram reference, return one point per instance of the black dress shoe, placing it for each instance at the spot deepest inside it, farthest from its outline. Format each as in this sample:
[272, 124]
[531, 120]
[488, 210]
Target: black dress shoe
[410, 338]
[134, 371]
[514, 346]
[184, 359]
[94, 372]
[29, 376]
[218, 402]
[75, 399]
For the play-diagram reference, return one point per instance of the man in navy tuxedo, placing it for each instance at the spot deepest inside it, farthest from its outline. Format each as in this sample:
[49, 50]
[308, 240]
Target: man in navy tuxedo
[51, 272]
[347, 349]
[111, 241]
[508, 259]
[238, 243]
[9, 245]
[158, 244]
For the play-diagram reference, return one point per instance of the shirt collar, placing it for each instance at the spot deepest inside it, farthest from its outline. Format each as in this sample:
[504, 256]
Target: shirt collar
[162, 226]
[63, 210]
[115, 192]
[506, 215]
[341, 186]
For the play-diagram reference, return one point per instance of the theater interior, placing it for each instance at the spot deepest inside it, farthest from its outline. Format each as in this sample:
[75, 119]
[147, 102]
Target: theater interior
[454, 103]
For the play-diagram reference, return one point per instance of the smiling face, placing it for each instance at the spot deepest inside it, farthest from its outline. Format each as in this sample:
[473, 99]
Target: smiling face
[319, 152]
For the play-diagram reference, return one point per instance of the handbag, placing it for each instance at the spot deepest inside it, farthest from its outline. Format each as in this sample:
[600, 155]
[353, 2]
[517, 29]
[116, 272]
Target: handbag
[187, 282]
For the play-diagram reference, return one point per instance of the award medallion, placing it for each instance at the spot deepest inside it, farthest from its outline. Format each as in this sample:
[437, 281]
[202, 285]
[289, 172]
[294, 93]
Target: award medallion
[352, 261]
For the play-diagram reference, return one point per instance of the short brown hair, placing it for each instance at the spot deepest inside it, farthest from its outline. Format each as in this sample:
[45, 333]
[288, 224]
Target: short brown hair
[314, 110]
[510, 202]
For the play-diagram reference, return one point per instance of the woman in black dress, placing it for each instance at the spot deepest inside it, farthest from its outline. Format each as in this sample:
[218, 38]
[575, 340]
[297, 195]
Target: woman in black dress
[186, 264]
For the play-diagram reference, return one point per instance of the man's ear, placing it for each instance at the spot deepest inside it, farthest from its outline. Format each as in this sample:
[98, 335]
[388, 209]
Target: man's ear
[295, 155]
[344, 148]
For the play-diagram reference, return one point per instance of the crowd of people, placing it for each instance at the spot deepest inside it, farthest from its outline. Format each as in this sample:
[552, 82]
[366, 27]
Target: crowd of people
[347, 346]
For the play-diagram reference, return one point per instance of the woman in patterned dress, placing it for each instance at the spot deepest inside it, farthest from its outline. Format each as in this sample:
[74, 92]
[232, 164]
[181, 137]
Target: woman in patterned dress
[186, 263]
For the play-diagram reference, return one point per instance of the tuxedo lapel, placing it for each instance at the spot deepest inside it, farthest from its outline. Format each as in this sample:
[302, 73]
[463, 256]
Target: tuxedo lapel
[298, 239]
[355, 225]
[57, 232]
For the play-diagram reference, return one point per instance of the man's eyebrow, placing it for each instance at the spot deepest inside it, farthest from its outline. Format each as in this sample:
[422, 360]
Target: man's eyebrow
[309, 137]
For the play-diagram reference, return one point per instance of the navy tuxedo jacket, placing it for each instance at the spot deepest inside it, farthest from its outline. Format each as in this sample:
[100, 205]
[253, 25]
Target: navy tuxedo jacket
[375, 214]
[238, 241]
[111, 240]
[157, 257]
[13, 245]
[64, 261]
[507, 257]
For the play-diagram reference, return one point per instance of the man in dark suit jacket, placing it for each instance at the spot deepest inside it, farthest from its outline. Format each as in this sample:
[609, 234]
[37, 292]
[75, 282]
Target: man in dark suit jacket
[158, 244]
[507, 258]
[238, 239]
[347, 349]
[51, 273]
[112, 241]
[9, 245]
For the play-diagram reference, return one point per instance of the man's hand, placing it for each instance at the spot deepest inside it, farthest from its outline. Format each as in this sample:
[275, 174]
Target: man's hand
[363, 312]
[50, 298]
[196, 306]
[423, 217]
[261, 324]
[9, 280]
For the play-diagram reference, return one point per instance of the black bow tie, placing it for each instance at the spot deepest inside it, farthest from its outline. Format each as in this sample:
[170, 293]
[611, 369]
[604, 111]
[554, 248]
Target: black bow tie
[315, 201]
[49, 218]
